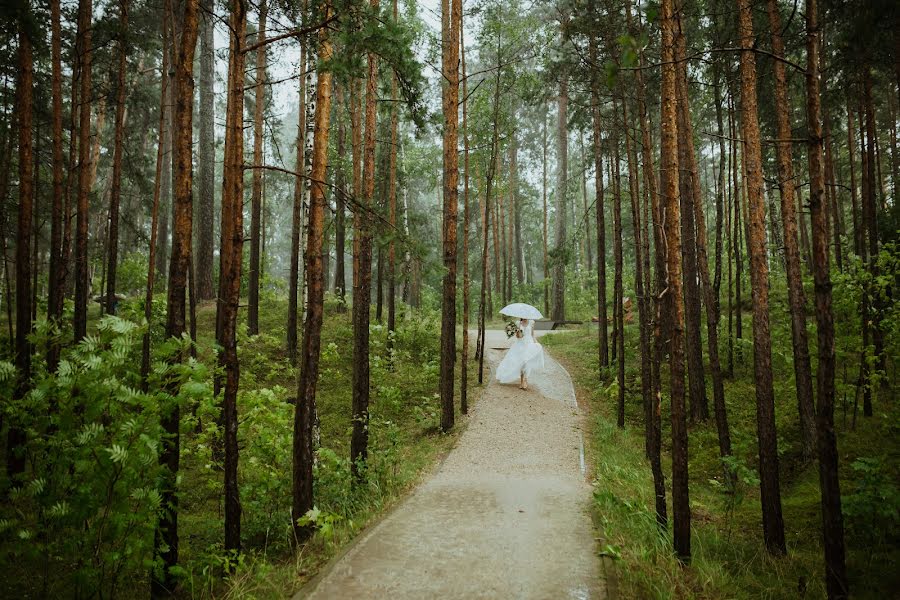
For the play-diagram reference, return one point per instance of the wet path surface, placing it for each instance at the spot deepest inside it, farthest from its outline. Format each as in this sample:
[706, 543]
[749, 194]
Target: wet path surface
[505, 516]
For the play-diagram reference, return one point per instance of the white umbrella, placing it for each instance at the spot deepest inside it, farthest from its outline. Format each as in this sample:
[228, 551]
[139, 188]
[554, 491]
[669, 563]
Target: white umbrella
[521, 310]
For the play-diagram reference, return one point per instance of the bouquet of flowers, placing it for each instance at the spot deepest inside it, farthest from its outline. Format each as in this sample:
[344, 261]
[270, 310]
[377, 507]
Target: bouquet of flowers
[511, 329]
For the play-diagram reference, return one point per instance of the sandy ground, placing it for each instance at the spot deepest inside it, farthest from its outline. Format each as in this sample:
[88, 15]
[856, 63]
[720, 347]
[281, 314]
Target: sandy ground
[505, 515]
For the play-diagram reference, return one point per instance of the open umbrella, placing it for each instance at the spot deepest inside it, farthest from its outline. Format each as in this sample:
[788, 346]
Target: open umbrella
[521, 310]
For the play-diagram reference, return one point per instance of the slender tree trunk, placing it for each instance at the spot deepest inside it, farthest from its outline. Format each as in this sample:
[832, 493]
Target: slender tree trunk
[340, 235]
[57, 217]
[256, 197]
[602, 317]
[297, 214]
[206, 162]
[166, 546]
[15, 452]
[588, 248]
[85, 53]
[157, 192]
[796, 300]
[359, 441]
[618, 307]
[558, 296]
[486, 217]
[116, 188]
[464, 362]
[392, 211]
[546, 222]
[451, 11]
[829, 482]
[865, 303]
[851, 148]
[770, 488]
[304, 413]
[737, 193]
[870, 212]
[689, 184]
[518, 255]
[670, 206]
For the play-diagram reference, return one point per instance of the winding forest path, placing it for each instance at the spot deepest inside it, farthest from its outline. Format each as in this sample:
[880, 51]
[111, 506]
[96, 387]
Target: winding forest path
[505, 515]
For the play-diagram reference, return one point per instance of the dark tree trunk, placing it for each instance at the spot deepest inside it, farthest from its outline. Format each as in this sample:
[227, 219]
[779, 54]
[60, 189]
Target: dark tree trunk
[451, 11]
[294, 286]
[796, 300]
[85, 52]
[870, 212]
[670, 207]
[392, 212]
[854, 207]
[57, 217]
[618, 300]
[340, 235]
[305, 411]
[603, 320]
[362, 291]
[464, 362]
[829, 482]
[256, 197]
[15, 452]
[206, 164]
[558, 295]
[770, 488]
[166, 542]
[689, 192]
[116, 187]
[154, 211]
[545, 230]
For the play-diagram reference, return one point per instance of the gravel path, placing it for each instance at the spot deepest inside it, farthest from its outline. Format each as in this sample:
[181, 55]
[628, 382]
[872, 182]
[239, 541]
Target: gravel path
[505, 516]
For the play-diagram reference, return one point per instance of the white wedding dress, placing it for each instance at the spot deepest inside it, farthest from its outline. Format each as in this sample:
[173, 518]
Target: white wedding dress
[526, 355]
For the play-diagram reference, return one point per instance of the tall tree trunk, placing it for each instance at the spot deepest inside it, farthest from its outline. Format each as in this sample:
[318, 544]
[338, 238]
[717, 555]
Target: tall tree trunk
[618, 299]
[116, 188]
[305, 410]
[340, 235]
[545, 229]
[870, 212]
[588, 238]
[558, 295]
[516, 207]
[206, 159]
[230, 267]
[85, 53]
[392, 210]
[57, 217]
[157, 192]
[256, 197]
[486, 216]
[829, 482]
[294, 286]
[854, 207]
[670, 207]
[865, 303]
[602, 318]
[359, 441]
[770, 488]
[796, 300]
[451, 11]
[15, 453]
[737, 193]
[689, 191]
[464, 362]
[166, 546]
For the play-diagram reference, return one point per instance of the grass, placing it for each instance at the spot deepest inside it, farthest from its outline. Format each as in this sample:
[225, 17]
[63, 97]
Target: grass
[728, 556]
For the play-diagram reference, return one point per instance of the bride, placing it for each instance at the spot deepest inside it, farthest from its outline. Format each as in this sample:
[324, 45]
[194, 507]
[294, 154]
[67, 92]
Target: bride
[523, 357]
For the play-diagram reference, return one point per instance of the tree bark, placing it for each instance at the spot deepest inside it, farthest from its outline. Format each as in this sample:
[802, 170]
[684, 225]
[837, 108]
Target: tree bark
[85, 53]
[602, 316]
[464, 362]
[770, 489]
[829, 482]
[57, 217]
[305, 411]
[796, 300]
[670, 207]
[297, 214]
[359, 441]
[618, 300]
[15, 452]
[206, 160]
[166, 541]
[546, 223]
[689, 191]
[340, 235]
[392, 211]
[256, 197]
[558, 295]
[870, 212]
[451, 11]
[116, 187]
[851, 148]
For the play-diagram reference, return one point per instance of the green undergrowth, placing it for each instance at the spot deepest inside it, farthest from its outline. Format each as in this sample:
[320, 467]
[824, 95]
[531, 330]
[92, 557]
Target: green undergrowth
[728, 555]
[54, 545]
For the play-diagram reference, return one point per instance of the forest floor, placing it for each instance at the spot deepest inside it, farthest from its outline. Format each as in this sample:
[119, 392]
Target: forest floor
[505, 515]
